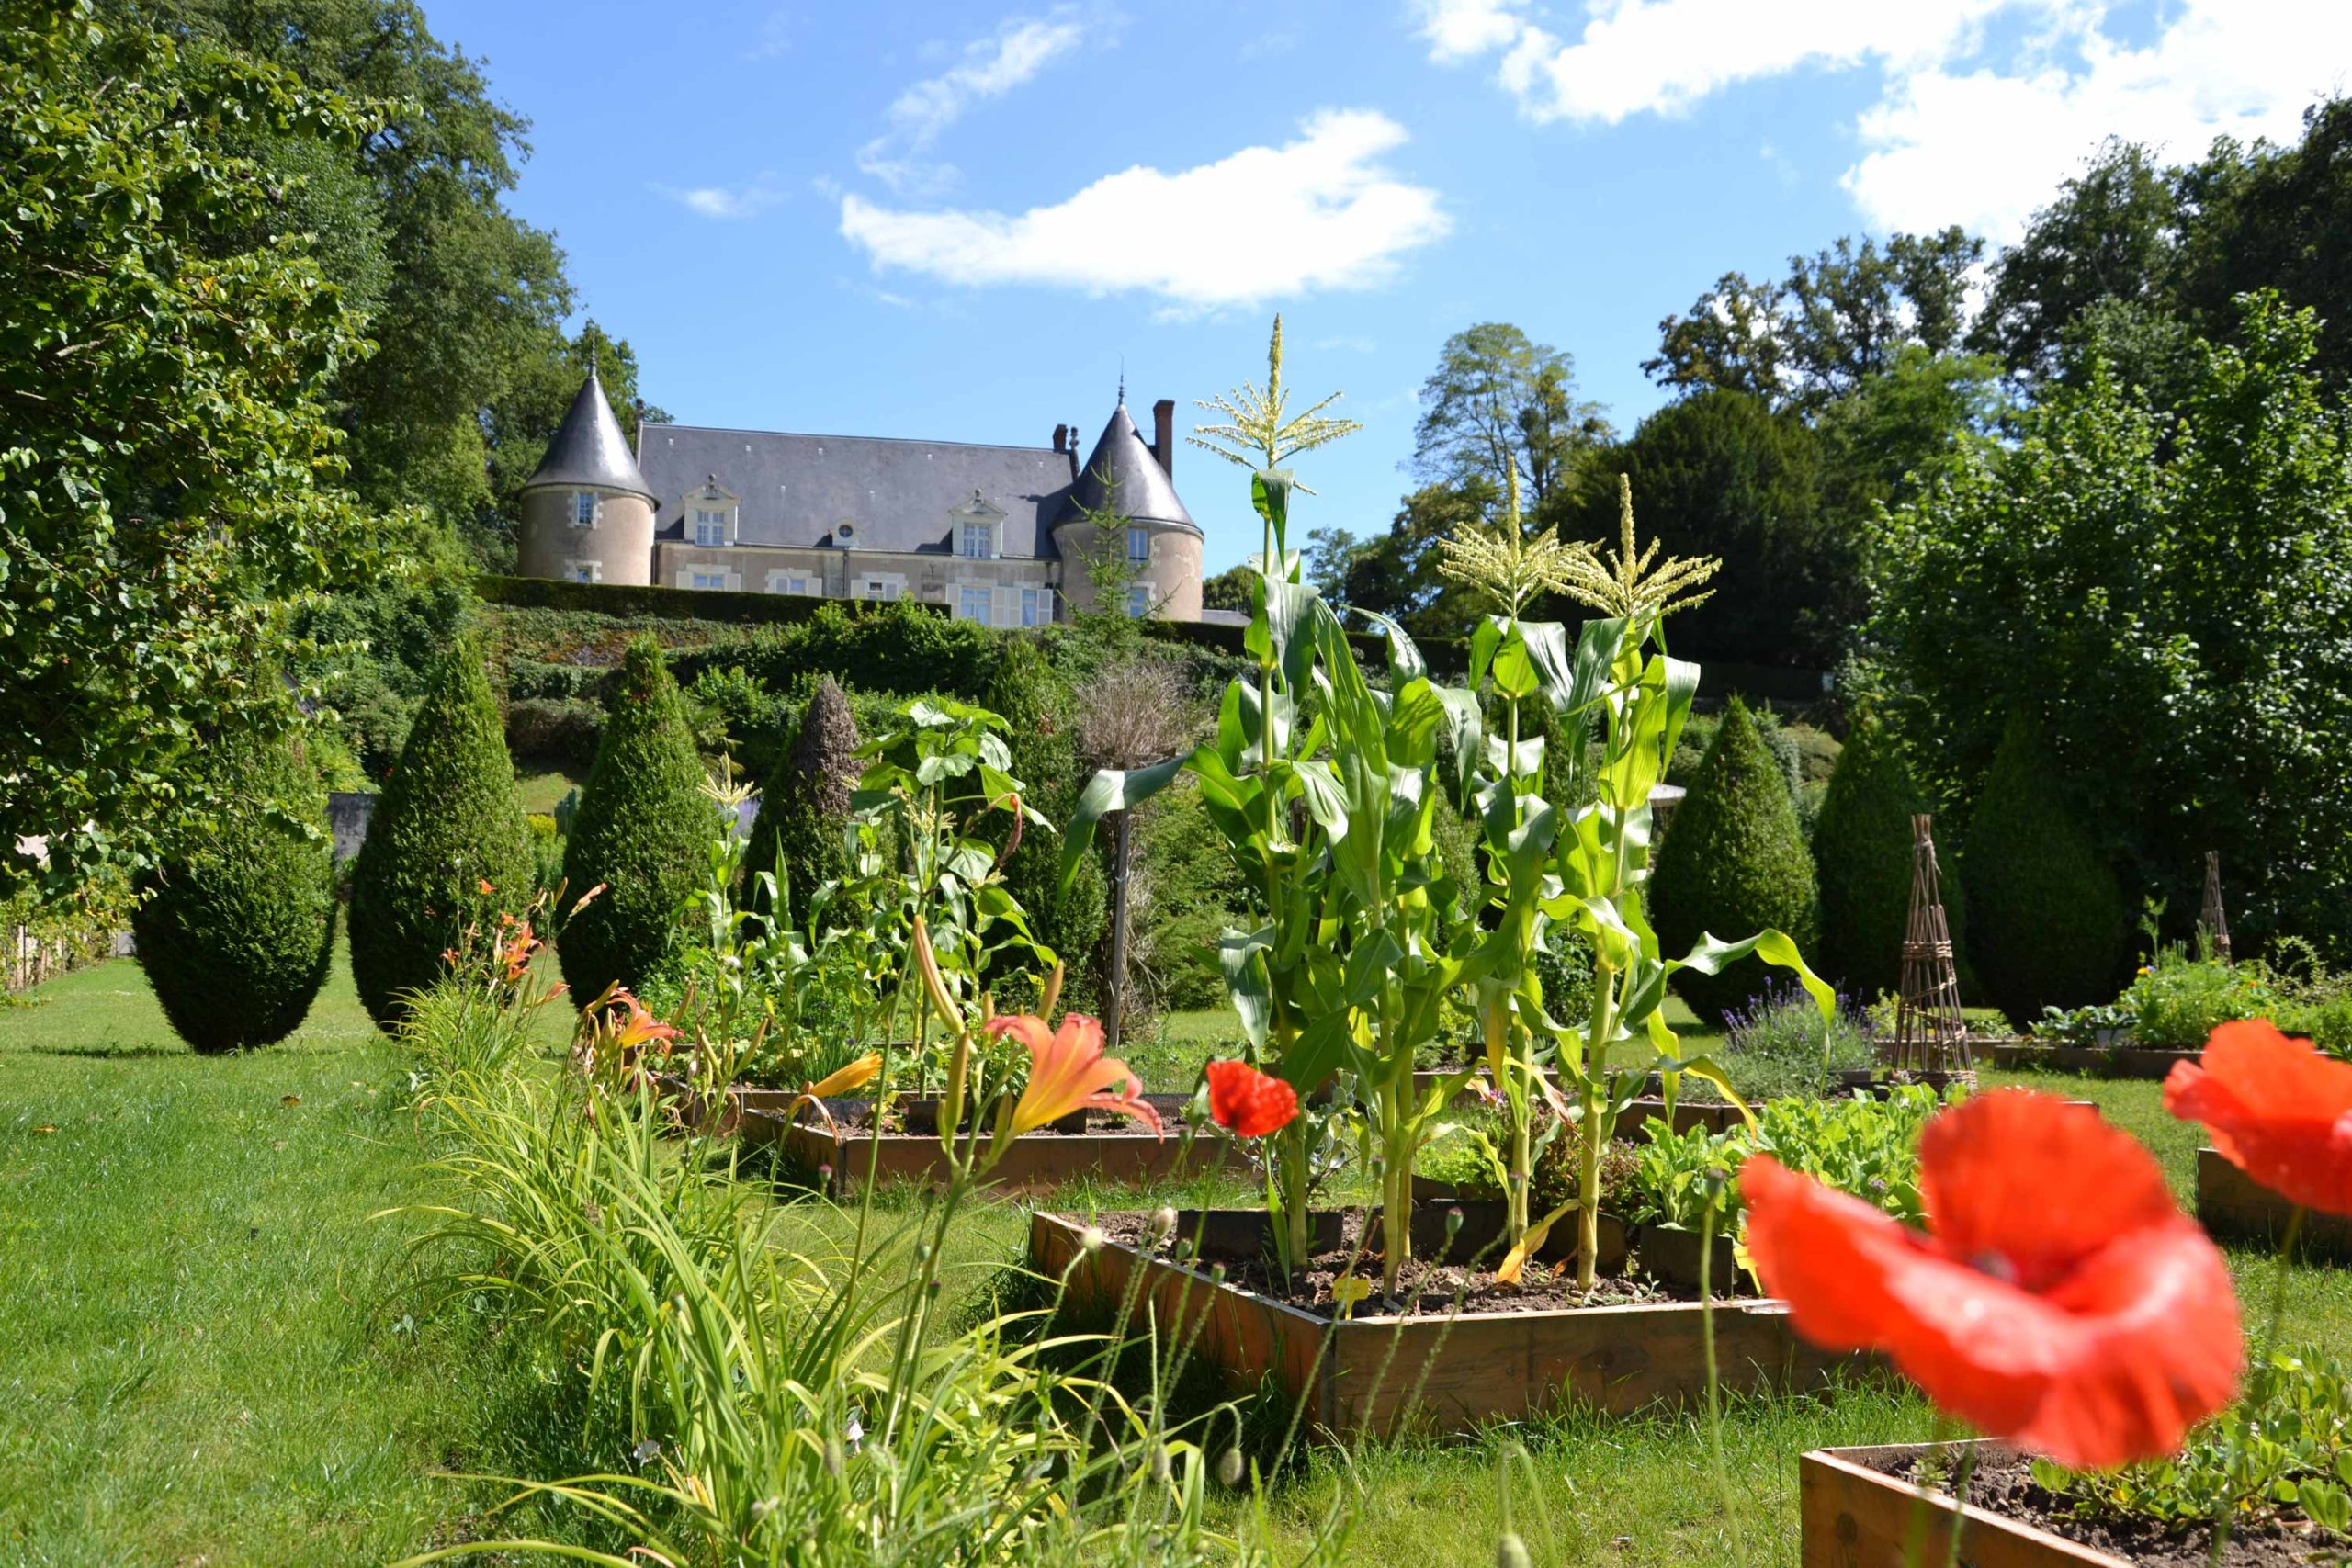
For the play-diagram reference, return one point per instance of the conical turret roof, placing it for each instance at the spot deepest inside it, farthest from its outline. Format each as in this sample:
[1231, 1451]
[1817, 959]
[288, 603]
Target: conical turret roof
[588, 448]
[1123, 478]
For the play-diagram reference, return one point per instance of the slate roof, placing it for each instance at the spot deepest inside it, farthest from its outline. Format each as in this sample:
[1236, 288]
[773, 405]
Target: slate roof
[1122, 476]
[588, 447]
[795, 489]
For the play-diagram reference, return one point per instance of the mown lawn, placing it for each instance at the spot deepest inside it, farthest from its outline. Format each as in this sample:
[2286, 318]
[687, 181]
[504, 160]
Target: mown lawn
[211, 1353]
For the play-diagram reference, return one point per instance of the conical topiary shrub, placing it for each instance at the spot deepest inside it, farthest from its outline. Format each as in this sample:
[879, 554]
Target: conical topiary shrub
[1045, 759]
[2047, 922]
[1733, 863]
[447, 826]
[804, 807]
[1861, 857]
[643, 829]
[237, 929]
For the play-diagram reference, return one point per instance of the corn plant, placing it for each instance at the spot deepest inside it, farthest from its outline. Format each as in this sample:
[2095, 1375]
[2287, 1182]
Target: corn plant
[1587, 872]
[1329, 821]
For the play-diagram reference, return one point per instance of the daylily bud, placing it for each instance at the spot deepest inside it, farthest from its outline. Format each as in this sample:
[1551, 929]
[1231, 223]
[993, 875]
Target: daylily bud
[1053, 993]
[935, 983]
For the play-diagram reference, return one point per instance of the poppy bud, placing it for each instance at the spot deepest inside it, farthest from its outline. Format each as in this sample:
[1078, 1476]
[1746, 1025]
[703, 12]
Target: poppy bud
[1163, 1222]
[1228, 1467]
[1091, 1238]
[1160, 1461]
[1453, 1223]
[1511, 1551]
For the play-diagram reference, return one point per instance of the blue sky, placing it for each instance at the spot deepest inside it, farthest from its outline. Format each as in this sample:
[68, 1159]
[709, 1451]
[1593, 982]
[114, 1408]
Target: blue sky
[959, 222]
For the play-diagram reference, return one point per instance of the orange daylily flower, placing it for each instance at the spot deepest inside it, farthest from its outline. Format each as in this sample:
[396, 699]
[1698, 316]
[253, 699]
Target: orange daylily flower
[857, 1074]
[639, 1027]
[516, 951]
[1067, 1071]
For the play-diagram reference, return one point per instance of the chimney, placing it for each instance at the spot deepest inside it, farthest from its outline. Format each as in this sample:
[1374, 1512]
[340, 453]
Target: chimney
[1072, 451]
[1163, 435]
[1061, 438]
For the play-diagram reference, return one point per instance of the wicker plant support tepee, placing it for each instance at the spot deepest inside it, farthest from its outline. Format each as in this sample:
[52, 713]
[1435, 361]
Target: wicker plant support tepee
[2211, 921]
[1930, 1037]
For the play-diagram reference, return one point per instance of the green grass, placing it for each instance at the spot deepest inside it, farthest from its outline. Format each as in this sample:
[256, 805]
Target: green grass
[209, 1352]
[541, 791]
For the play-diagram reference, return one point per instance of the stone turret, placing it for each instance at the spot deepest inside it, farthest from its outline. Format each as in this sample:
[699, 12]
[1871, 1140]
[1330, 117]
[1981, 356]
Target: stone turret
[1129, 478]
[587, 512]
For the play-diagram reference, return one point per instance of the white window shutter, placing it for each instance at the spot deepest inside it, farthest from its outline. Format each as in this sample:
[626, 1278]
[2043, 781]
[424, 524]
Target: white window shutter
[1005, 607]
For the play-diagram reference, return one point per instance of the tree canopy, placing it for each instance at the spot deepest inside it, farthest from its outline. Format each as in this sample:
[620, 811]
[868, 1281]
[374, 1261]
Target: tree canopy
[2169, 596]
[1497, 397]
[169, 478]
[1841, 316]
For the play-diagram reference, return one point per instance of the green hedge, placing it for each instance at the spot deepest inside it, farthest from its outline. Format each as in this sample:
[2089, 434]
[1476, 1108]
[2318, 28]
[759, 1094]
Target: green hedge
[643, 829]
[804, 804]
[680, 604]
[899, 647]
[1862, 854]
[236, 930]
[1733, 862]
[446, 822]
[2048, 925]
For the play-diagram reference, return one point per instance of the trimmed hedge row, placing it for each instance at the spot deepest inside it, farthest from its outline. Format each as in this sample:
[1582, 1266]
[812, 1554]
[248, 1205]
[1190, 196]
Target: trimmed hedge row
[680, 604]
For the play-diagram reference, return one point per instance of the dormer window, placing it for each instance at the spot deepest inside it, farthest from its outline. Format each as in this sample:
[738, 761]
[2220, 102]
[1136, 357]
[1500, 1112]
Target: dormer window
[583, 509]
[976, 527]
[709, 515]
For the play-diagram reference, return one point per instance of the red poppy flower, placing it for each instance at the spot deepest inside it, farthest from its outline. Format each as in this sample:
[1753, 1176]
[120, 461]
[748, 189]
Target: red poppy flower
[2059, 1299]
[2274, 1108]
[1247, 1102]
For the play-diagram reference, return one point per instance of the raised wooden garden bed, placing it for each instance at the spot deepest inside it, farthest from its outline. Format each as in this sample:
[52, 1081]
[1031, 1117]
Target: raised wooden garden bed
[1854, 1514]
[1109, 1149]
[2091, 1061]
[2233, 1206]
[1375, 1372]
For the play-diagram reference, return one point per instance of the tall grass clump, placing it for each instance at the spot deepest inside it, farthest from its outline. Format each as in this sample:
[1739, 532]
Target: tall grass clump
[738, 1402]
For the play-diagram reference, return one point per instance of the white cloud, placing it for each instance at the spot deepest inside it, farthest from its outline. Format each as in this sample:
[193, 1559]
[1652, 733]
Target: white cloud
[719, 201]
[1984, 148]
[1962, 131]
[1318, 213]
[990, 68]
[1463, 29]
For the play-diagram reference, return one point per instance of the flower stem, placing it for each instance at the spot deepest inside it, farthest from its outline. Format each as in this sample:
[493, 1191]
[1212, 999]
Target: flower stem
[2262, 1353]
